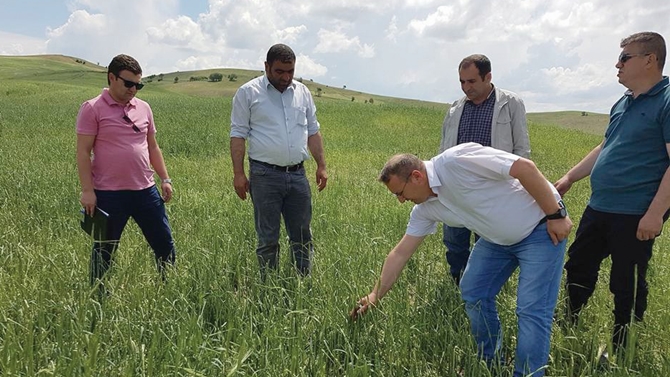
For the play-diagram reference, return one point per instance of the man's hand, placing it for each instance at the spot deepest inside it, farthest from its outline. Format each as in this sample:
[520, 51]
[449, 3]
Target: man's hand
[362, 306]
[321, 178]
[563, 185]
[166, 189]
[559, 229]
[649, 227]
[241, 184]
[88, 201]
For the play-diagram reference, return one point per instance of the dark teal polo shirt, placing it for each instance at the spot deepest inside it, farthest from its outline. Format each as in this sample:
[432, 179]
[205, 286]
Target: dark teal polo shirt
[634, 158]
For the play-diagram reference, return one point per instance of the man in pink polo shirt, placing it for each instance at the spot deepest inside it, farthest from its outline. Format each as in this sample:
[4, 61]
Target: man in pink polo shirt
[116, 149]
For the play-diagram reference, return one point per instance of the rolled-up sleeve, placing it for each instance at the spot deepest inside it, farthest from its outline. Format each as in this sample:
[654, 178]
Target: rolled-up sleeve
[312, 123]
[240, 115]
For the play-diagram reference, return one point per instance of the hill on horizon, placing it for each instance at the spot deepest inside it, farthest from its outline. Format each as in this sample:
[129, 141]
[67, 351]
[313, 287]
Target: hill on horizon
[67, 69]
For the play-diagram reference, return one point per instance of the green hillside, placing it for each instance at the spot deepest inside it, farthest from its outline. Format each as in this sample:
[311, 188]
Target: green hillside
[69, 70]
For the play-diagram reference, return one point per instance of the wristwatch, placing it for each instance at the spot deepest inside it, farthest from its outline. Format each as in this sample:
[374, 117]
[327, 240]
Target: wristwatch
[166, 180]
[560, 214]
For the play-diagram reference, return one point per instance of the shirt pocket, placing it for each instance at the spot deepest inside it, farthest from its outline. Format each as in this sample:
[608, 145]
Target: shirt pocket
[301, 116]
[504, 118]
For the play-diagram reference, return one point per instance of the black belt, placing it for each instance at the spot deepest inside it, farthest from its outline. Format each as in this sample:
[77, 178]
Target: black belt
[542, 221]
[280, 168]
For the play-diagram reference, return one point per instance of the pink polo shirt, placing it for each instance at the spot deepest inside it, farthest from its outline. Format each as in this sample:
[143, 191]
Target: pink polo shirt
[120, 158]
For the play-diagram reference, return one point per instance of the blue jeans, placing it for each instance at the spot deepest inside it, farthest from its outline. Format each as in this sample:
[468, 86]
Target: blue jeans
[276, 194]
[490, 266]
[147, 208]
[457, 241]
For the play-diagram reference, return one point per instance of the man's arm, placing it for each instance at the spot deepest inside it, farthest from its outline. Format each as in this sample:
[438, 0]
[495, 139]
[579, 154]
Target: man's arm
[393, 265]
[84, 148]
[652, 222]
[538, 187]
[520, 139]
[240, 181]
[158, 163]
[581, 170]
[315, 145]
[444, 145]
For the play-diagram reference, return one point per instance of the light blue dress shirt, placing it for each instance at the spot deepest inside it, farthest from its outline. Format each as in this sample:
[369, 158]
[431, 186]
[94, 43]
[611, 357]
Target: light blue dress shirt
[276, 125]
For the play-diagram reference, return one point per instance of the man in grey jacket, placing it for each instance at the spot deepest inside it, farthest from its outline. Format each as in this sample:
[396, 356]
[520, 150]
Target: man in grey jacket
[486, 115]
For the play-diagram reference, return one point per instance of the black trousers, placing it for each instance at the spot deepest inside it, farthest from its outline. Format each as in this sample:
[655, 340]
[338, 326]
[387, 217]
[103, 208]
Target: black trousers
[600, 235]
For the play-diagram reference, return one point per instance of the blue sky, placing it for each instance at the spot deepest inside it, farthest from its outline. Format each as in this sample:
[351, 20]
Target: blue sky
[558, 55]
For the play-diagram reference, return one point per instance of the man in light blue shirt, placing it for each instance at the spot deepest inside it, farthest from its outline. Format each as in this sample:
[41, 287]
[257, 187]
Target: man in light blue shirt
[276, 116]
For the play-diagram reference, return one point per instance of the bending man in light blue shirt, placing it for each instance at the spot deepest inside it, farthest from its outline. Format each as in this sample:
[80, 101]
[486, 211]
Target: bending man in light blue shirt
[276, 116]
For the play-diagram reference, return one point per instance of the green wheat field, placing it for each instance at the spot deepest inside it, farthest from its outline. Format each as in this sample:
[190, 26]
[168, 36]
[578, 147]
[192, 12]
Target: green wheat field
[213, 316]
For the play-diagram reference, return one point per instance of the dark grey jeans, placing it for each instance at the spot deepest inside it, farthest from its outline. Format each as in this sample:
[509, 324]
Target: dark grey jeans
[276, 194]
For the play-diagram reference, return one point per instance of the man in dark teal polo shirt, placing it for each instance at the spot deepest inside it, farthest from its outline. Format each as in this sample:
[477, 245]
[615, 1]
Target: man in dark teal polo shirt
[630, 183]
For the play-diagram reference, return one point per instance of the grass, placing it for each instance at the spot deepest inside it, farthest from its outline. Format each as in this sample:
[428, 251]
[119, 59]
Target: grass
[214, 317]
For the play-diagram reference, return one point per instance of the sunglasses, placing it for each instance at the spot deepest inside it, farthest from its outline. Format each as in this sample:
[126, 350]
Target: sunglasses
[127, 119]
[626, 57]
[129, 84]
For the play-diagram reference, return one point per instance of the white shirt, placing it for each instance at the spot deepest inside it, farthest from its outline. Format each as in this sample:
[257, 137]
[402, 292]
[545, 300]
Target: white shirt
[276, 125]
[474, 190]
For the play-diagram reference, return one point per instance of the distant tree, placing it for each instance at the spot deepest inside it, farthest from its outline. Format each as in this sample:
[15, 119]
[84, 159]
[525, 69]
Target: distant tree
[160, 77]
[232, 77]
[176, 79]
[300, 79]
[352, 98]
[372, 100]
[318, 92]
[214, 77]
[366, 101]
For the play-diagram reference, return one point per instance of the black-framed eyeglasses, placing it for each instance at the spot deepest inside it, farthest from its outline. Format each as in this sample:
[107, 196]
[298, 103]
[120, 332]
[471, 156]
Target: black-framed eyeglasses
[624, 57]
[399, 194]
[129, 121]
[129, 84]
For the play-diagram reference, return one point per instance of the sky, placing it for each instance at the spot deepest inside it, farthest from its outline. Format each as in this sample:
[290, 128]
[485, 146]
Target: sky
[557, 55]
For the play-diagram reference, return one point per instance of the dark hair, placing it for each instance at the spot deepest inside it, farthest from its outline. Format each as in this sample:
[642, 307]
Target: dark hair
[652, 43]
[480, 61]
[123, 63]
[400, 165]
[280, 52]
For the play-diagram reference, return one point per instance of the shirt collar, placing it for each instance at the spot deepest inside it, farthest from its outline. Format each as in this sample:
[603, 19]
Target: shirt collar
[493, 89]
[433, 179]
[111, 102]
[654, 89]
[267, 83]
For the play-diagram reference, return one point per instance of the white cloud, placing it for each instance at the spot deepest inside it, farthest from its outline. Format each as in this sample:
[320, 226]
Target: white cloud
[181, 31]
[308, 68]
[336, 41]
[290, 34]
[392, 29]
[557, 54]
[583, 78]
[81, 23]
[17, 44]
